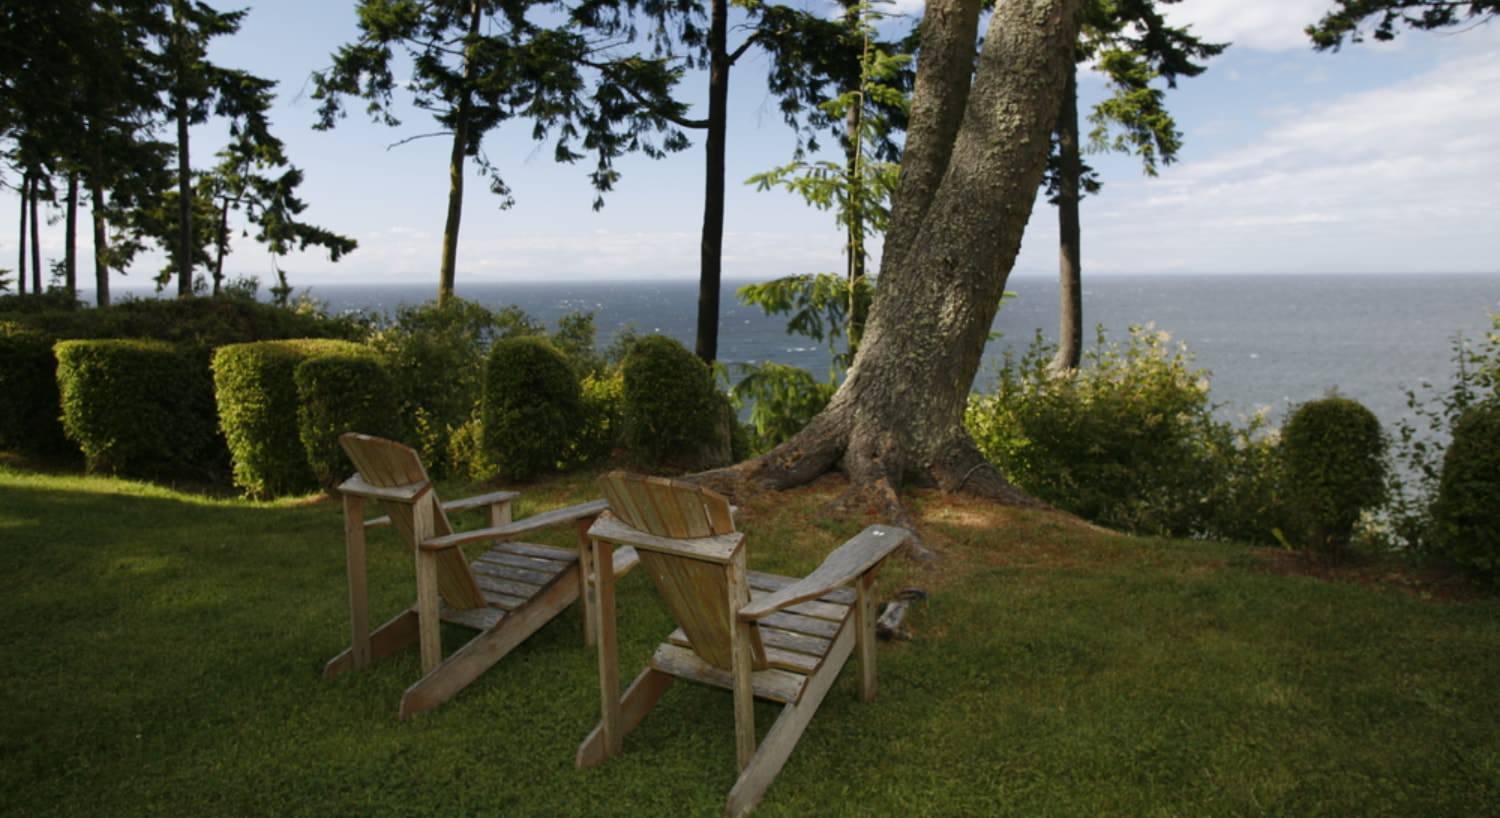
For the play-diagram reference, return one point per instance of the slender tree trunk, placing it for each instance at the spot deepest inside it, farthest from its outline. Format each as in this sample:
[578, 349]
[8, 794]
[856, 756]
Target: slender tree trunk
[184, 165]
[968, 181]
[855, 217]
[70, 238]
[1070, 266]
[36, 236]
[101, 242]
[456, 167]
[711, 249]
[222, 242]
[24, 189]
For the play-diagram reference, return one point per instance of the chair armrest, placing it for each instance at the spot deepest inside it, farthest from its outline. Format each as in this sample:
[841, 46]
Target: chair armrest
[847, 563]
[408, 493]
[467, 503]
[535, 522]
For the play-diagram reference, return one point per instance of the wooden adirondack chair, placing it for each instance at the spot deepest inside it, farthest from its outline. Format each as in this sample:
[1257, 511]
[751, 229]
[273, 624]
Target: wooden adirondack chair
[757, 634]
[511, 591]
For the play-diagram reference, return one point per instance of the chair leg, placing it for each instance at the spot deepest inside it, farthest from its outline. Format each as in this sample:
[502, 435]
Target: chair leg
[395, 635]
[483, 651]
[864, 629]
[639, 698]
[777, 746]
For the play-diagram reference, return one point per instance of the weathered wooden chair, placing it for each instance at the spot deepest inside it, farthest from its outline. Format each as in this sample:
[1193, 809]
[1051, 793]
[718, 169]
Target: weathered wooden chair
[511, 591]
[757, 634]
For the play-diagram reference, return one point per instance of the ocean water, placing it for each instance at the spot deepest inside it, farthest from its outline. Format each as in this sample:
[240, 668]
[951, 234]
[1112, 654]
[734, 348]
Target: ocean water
[1267, 340]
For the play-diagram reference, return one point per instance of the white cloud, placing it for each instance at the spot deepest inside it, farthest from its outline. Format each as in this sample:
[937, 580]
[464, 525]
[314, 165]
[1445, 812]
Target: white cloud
[1266, 25]
[1402, 178]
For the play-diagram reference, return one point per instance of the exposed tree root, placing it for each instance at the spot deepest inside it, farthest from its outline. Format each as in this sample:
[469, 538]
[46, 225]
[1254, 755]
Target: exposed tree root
[875, 464]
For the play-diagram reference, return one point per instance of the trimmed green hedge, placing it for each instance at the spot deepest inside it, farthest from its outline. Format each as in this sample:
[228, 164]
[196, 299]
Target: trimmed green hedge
[1334, 455]
[532, 407]
[256, 390]
[673, 414]
[30, 415]
[337, 393]
[1467, 510]
[138, 406]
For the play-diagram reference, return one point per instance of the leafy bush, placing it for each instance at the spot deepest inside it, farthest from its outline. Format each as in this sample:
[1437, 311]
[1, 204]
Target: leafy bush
[532, 407]
[1466, 514]
[138, 406]
[30, 418]
[437, 356]
[599, 433]
[673, 413]
[256, 391]
[1421, 437]
[783, 399]
[1129, 440]
[204, 322]
[1334, 453]
[337, 393]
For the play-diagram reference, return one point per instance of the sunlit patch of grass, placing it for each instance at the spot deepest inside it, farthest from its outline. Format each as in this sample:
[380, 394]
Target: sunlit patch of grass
[163, 654]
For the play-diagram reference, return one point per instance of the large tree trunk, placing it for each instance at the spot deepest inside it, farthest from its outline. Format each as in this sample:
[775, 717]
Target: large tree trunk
[1070, 261]
[974, 158]
[36, 235]
[101, 242]
[24, 188]
[456, 167]
[70, 238]
[711, 248]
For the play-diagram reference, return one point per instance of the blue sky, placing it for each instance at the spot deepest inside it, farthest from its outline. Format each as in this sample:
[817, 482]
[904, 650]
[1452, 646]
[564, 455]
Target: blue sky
[1380, 158]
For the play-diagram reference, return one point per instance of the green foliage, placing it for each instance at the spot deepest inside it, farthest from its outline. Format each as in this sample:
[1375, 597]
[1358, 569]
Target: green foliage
[599, 433]
[436, 355]
[29, 413]
[1334, 454]
[138, 406]
[532, 407]
[1346, 17]
[784, 398]
[342, 392]
[1128, 441]
[1466, 513]
[1422, 433]
[256, 389]
[672, 408]
[818, 305]
[206, 322]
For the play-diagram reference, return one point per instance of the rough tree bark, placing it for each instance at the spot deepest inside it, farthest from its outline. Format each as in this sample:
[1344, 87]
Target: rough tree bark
[975, 152]
[184, 163]
[23, 189]
[446, 270]
[711, 246]
[101, 242]
[36, 235]
[70, 238]
[1069, 258]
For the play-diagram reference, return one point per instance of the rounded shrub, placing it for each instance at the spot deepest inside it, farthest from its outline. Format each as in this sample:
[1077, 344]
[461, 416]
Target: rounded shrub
[337, 393]
[256, 391]
[1466, 513]
[1333, 452]
[673, 415]
[532, 407]
[30, 417]
[138, 406]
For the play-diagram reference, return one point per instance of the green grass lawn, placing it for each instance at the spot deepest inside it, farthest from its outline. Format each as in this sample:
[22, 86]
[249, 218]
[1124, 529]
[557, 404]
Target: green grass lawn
[162, 655]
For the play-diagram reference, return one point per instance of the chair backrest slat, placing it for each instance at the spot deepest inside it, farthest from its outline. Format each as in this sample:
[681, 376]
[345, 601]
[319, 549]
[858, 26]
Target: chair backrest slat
[386, 463]
[697, 592]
